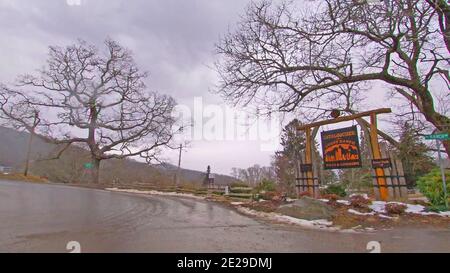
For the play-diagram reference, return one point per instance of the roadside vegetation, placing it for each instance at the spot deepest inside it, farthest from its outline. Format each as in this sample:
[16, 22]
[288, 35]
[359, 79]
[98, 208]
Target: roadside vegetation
[432, 187]
[21, 177]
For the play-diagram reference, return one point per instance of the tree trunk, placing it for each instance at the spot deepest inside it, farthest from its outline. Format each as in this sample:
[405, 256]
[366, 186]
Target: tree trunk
[27, 161]
[95, 171]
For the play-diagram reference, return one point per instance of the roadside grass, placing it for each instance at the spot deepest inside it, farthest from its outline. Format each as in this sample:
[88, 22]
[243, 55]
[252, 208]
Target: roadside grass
[21, 177]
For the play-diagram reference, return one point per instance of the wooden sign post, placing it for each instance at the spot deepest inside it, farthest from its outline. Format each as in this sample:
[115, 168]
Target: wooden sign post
[376, 152]
[380, 177]
[308, 160]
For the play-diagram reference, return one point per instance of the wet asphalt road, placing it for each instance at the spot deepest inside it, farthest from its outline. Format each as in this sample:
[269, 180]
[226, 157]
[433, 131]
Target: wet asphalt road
[43, 218]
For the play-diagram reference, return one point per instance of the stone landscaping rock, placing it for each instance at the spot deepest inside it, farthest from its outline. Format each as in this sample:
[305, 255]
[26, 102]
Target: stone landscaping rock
[307, 208]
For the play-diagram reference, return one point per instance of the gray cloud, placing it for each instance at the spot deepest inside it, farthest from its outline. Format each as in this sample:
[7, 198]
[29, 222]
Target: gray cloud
[172, 39]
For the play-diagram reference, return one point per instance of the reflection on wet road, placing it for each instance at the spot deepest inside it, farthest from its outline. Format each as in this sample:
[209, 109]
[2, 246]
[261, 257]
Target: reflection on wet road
[43, 218]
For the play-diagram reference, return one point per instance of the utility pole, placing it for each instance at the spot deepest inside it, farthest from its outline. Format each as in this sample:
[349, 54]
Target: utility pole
[177, 174]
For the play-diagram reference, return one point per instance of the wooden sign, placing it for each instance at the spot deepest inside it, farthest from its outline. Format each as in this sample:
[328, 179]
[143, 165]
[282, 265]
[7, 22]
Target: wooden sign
[341, 148]
[381, 163]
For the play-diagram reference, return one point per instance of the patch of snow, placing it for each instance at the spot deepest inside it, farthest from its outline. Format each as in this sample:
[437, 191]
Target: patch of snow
[360, 213]
[378, 206]
[309, 224]
[414, 208]
[363, 195]
[302, 222]
[441, 213]
[345, 202]
[385, 216]
[153, 192]
[445, 213]
[324, 222]
[350, 231]
[236, 203]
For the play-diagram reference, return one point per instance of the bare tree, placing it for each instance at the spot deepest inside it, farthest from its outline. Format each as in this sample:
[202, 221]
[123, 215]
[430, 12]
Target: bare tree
[253, 175]
[292, 59]
[93, 98]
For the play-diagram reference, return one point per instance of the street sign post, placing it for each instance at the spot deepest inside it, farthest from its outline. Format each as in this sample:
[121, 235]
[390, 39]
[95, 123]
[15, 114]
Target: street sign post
[444, 183]
[439, 137]
[88, 165]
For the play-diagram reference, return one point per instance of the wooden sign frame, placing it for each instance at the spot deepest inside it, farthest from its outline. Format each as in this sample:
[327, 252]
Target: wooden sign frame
[379, 173]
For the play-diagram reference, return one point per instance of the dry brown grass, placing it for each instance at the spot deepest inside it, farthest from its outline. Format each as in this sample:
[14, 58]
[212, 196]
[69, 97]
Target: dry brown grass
[21, 177]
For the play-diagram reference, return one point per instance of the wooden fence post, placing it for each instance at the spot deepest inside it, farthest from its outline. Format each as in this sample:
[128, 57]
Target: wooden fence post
[366, 130]
[397, 165]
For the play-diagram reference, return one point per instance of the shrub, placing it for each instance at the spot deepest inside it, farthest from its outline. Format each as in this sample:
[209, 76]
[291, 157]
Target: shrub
[336, 189]
[241, 190]
[238, 184]
[279, 197]
[431, 186]
[241, 195]
[266, 185]
[395, 208]
[268, 195]
[359, 201]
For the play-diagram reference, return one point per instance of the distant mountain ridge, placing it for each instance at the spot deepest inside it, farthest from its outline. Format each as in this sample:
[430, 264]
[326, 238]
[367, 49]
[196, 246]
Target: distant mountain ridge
[13, 149]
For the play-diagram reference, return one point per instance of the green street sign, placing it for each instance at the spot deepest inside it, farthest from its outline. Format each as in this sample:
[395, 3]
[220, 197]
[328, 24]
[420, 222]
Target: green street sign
[88, 165]
[440, 136]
